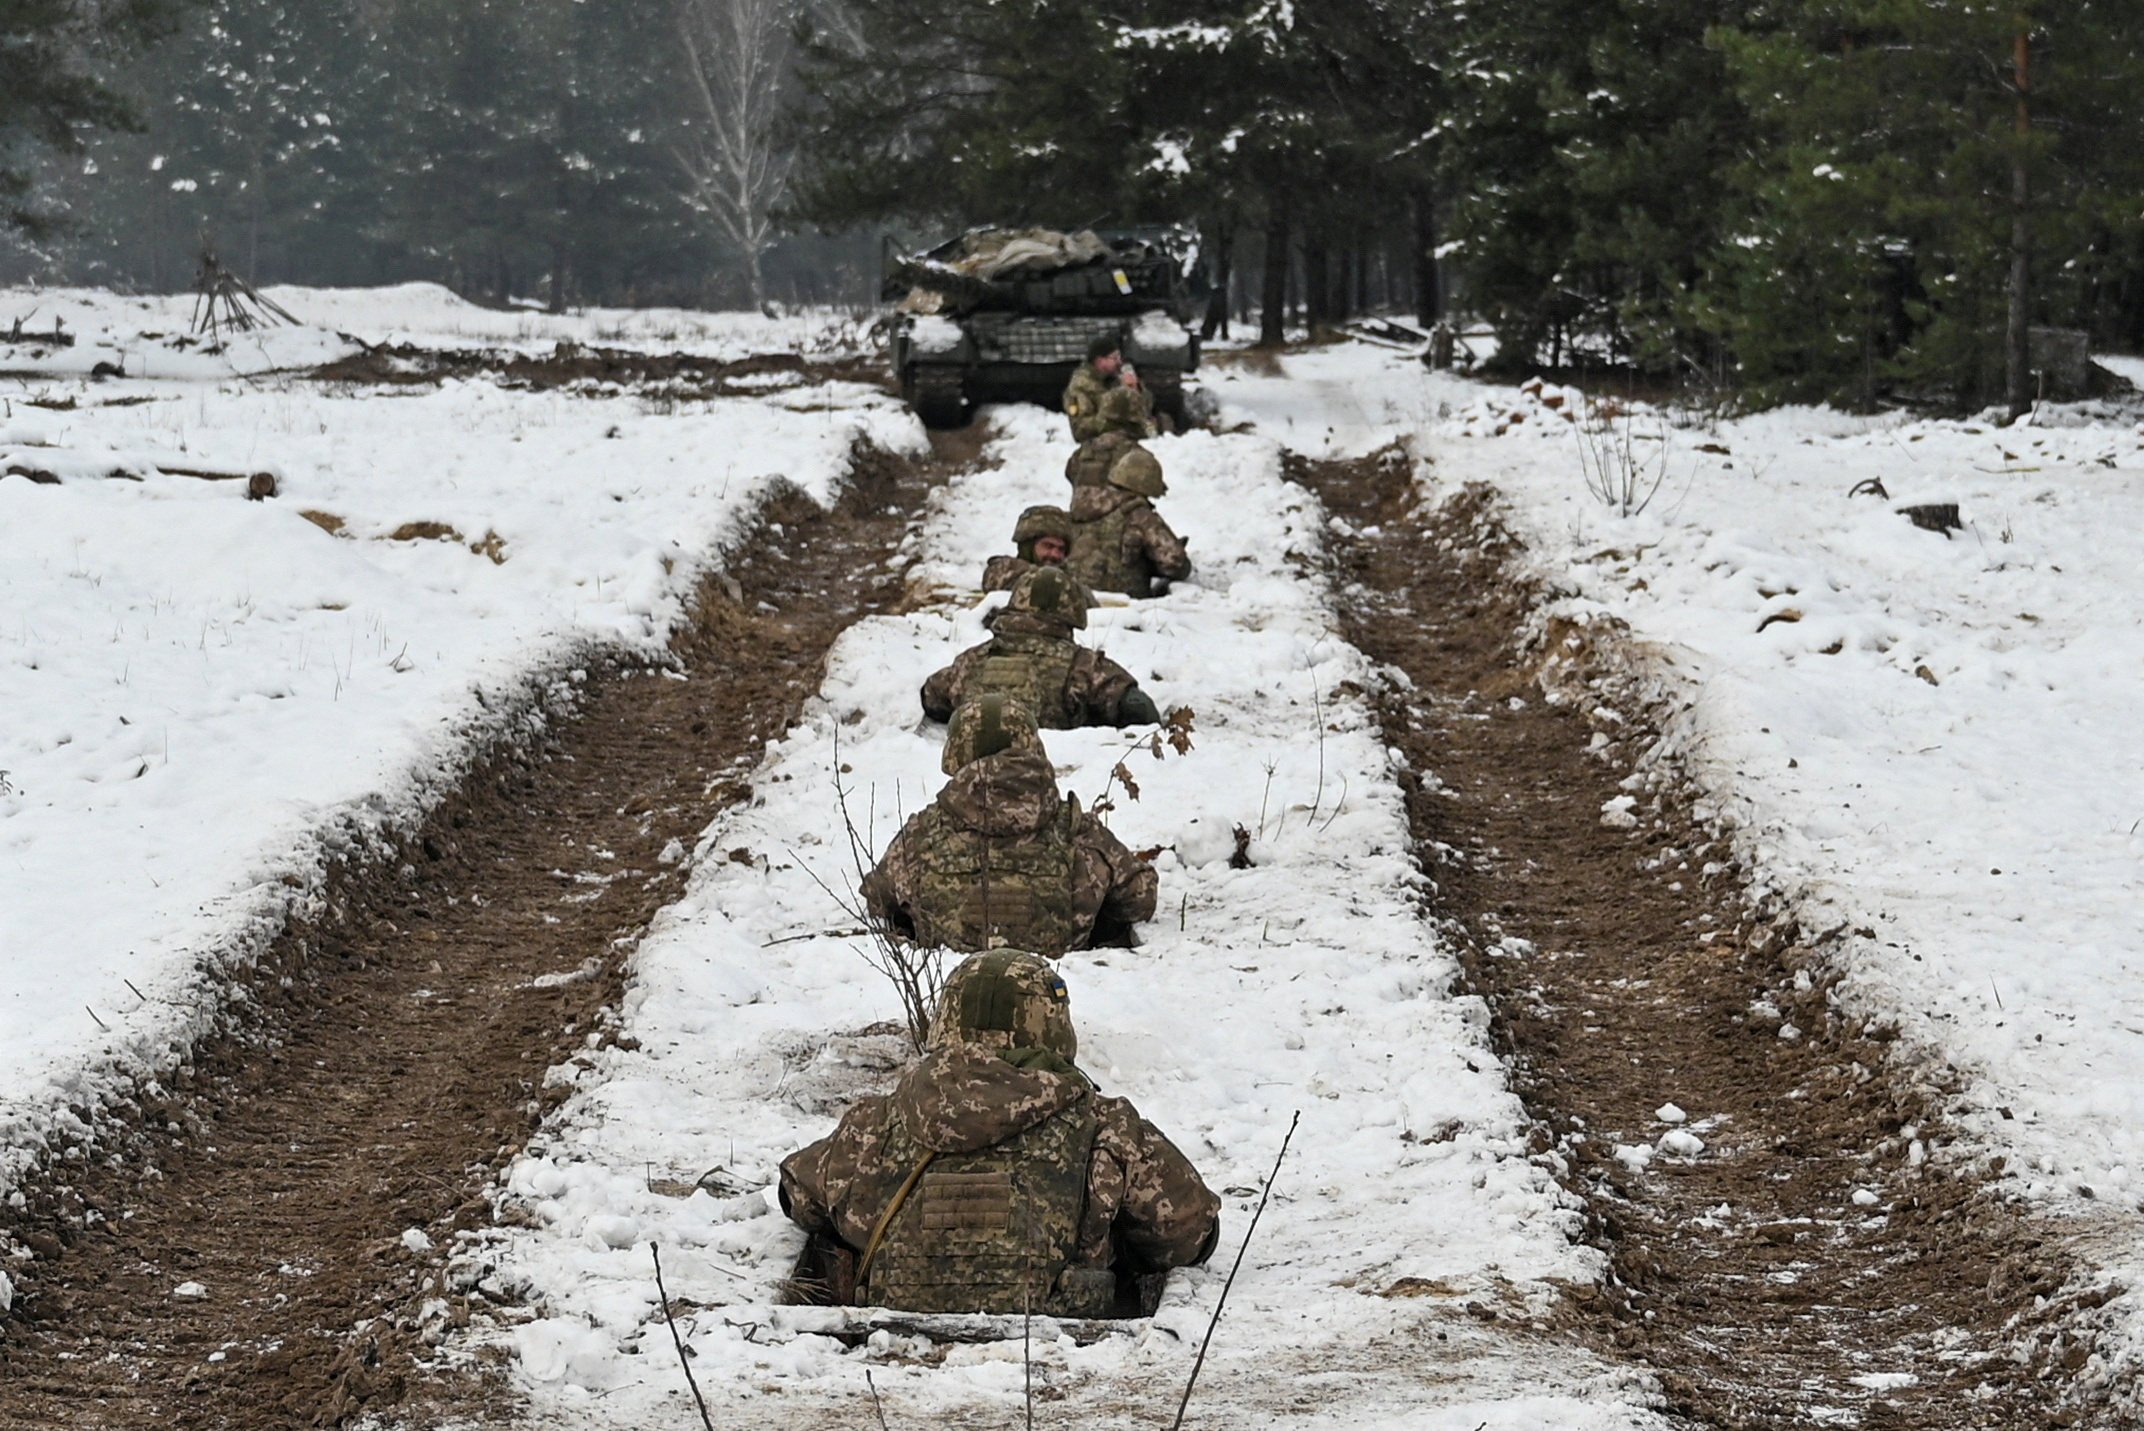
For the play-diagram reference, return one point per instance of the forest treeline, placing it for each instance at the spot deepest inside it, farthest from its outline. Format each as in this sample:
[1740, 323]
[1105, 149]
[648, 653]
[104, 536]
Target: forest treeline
[1847, 200]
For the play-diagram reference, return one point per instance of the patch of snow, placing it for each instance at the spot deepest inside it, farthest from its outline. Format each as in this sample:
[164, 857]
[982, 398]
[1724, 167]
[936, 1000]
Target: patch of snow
[933, 334]
[210, 698]
[1156, 334]
[1886, 760]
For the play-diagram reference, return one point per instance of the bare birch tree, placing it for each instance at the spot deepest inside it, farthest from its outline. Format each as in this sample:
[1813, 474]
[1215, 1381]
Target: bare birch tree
[737, 65]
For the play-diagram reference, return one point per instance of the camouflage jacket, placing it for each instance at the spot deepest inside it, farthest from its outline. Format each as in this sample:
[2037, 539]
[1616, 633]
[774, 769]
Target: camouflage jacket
[1120, 543]
[1000, 572]
[989, 1205]
[1063, 684]
[1089, 464]
[999, 852]
[1096, 405]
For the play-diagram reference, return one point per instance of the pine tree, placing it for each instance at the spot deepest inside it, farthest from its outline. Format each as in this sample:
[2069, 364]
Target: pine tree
[52, 92]
[1936, 177]
[1591, 146]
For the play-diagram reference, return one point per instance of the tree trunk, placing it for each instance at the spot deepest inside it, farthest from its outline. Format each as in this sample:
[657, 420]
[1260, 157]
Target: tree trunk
[754, 281]
[1317, 282]
[1224, 250]
[557, 300]
[2017, 347]
[1273, 294]
[1428, 297]
[253, 227]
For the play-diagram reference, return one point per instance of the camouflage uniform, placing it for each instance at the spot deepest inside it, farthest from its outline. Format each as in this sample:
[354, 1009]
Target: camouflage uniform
[993, 1178]
[1122, 544]
[1001, 855]
[1032, 659]
[1089, 464]
[1096, 405]
[1001, 573]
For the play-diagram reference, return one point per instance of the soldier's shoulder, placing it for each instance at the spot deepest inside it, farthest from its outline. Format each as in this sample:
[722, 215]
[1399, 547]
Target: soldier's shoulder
[1118, 1123]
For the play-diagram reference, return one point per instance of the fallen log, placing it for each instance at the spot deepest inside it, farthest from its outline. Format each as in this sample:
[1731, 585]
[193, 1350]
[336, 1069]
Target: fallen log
[258, 484]
[57, 338]
[1939, 517]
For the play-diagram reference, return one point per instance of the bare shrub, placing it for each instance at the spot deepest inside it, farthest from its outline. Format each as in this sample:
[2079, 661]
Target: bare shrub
[1623, 459]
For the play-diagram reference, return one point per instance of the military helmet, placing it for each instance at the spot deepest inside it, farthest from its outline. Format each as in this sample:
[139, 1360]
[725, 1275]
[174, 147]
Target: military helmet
[1042, 522]
[987, 725]
[1006, 1000]
[1138, 470]
[1046, 591]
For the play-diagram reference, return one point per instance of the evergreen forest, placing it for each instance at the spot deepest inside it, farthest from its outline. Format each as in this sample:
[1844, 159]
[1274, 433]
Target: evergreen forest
[1857, 201]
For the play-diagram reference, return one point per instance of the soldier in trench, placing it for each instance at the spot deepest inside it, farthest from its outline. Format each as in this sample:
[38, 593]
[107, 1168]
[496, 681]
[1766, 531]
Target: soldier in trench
[1089, 464]
[1119, 542]
[1002, 857]
[1033, 661]
[1042, 537]
[994, 1177]
[1105, 395]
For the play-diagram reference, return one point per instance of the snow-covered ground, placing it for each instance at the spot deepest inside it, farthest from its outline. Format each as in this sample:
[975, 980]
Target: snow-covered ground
[151, 335]
[204, 695]
[1929, 741]
[1408, 1207]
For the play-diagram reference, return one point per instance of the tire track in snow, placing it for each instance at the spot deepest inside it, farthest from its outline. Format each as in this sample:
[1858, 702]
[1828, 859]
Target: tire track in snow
[265, 1250]
[1790, 1248]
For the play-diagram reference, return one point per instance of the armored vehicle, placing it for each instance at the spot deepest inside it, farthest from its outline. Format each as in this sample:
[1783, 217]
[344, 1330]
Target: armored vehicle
[1005, 315]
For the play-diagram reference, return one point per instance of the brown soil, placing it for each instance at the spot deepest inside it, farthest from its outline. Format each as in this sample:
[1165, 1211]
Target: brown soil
[1748, 1276]
[573, 366]
[385, 1060]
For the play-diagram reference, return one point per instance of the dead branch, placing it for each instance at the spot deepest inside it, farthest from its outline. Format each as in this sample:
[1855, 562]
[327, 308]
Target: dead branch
[1222, 1301]
[678, 1341]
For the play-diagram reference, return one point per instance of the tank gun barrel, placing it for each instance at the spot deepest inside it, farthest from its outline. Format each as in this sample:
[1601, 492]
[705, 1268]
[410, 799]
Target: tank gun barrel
[903, 275]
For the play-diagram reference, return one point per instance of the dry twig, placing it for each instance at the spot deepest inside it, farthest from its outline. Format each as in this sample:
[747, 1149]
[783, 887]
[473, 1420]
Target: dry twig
[1222, 1301]
[683, 1359]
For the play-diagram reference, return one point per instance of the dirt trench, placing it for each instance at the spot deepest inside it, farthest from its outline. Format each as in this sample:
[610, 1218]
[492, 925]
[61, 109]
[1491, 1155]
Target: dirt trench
[258, 1248]
[1821, 1262]
[598, 371]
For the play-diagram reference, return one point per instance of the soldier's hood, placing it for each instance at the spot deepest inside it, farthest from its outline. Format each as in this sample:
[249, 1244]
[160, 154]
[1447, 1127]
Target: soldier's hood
[1012, 793]
[962, 1096]
[1007, 622]
[1089, 503]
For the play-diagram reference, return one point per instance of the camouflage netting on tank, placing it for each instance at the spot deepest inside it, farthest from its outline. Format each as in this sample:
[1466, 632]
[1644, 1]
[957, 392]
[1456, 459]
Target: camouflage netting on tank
[988, 254]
